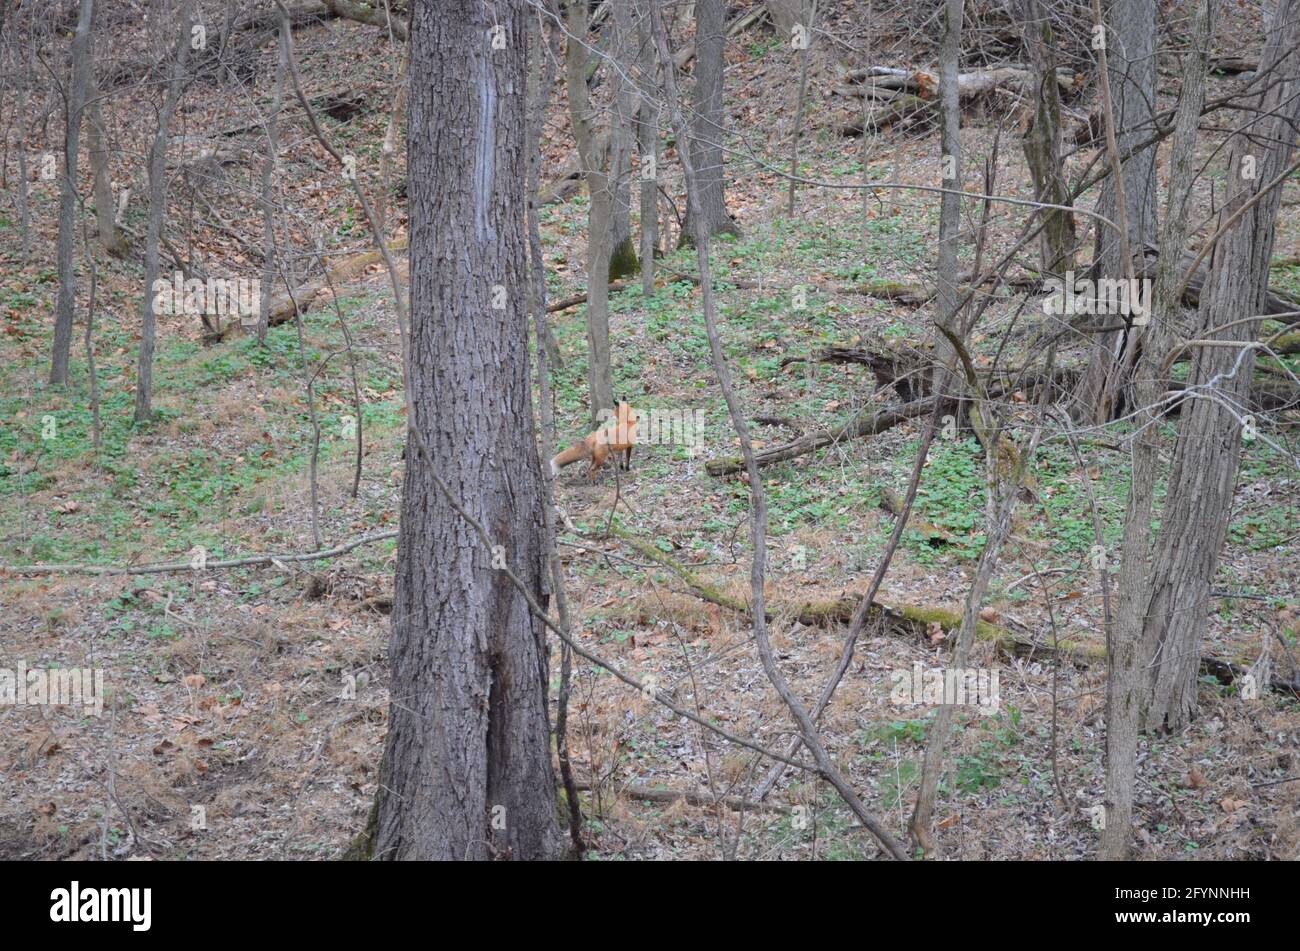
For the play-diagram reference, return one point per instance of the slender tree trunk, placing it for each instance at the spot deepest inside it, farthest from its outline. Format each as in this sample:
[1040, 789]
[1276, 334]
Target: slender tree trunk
[1042, 142]
[600, 387]
[541, 76]
[950, 162]
[758, 498]
[647, 132]
[1130, 55]
[156, 18]
[268, 178]
[708, 125]
[622, 259]
[1001, 506]
[158, 216]
[545, 39]
[868, 137]
[1125, 687]
[97, 146]
[100, 163]
[24, 187]
[467, 767]
[800, 99]
[66, 301]
[1210, 428]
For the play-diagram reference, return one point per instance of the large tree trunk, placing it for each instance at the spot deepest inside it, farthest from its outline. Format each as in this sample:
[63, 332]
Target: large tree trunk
[467, 770]
[1131, 67]
[1195, 519]
[1124, 685]
[158, 217]
[708, 125]
[1042, 142]
[786, 14]
[67, 296]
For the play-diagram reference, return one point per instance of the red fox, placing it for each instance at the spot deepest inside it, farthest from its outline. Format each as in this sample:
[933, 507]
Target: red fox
[619, 437]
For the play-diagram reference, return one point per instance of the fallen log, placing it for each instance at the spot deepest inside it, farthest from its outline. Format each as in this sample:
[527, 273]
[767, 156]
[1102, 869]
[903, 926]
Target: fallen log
[282, 307]
[862, 424]
[576, 299]
[902, 367]
[921, 622]
[370, 16]
[253, 28]
[917, 295]
[905, 107]
[1267, 394]
[914, 295]
[1232, 65]
[868, 80]
[695, 798]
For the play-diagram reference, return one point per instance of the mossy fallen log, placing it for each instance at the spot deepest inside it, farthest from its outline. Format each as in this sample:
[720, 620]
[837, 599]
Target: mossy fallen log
[919, 621]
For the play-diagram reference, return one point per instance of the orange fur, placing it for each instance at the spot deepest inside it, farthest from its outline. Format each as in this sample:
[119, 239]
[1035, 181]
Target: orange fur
[619, 437]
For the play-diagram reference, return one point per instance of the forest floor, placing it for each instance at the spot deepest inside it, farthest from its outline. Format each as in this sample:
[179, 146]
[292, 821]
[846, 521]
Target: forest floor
[227, 734]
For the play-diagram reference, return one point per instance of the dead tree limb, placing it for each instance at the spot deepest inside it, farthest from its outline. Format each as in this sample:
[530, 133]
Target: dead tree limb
[862, 424]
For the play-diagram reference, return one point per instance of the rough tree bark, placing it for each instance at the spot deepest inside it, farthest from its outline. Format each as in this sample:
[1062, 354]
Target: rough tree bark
[76, 99]
[708, 125]
[545, 49]
[1130, 38]
[1208, 452]
[1124, 686]
[158, 216]
[467, 771]
[786, 13]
